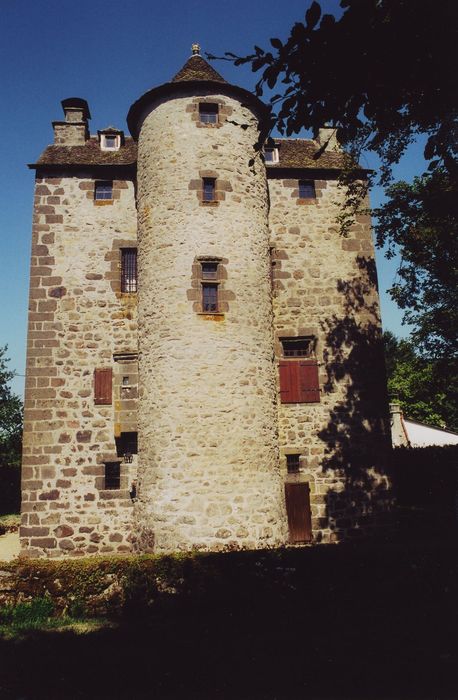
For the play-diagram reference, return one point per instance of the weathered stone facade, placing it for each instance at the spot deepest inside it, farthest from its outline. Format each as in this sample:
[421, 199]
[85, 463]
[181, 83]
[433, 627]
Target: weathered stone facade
[200, 377]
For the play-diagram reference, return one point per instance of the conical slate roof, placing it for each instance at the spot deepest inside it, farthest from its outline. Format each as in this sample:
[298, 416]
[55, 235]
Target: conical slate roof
[196, 68]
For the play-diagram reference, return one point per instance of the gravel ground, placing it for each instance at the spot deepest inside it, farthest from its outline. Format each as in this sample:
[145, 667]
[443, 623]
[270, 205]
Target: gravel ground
[9, 546]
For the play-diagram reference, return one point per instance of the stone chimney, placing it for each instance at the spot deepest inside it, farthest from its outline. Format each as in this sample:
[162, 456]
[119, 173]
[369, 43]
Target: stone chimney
[74, 131]
[326, 138]
[398, 433]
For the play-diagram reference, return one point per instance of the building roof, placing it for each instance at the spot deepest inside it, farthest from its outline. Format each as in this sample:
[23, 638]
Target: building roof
[88, 154]
[421, 435]
[196, 68]
[306, 153]
[196, 74]
[294, 154]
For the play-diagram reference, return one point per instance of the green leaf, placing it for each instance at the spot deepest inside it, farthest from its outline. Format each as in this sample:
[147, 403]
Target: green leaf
[312, 15]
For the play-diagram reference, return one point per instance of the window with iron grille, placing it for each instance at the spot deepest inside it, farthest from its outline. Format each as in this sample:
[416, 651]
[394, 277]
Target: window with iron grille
[103, 190]
[209, 270]
[306, 189]
[112, 475]
[129, 270]
[209, 297]
[292, 463]
[208, 189]
[297, 347]
[208, 113]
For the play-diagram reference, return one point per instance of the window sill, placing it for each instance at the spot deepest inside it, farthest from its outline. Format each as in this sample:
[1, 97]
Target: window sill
[102, 202]
[211, 315]
[213, 203]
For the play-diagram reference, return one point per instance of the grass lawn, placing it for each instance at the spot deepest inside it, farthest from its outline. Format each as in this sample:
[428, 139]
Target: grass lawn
[370, 621]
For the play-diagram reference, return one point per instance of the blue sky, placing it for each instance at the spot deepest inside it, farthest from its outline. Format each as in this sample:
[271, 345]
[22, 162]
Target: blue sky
[110, 54]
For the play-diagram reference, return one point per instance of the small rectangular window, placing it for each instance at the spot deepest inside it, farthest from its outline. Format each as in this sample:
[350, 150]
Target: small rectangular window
[112, 475]
[306, 189]
[292, 463]
[103, 190]
[209, 270]
[271, 155]
[208, 189]
[210, 297]
[110, 141]
[208, 113]
[298, 347]
[127, 444]
[129, 270]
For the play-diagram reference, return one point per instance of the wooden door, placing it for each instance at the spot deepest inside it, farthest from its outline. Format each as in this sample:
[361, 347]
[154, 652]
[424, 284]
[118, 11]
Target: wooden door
[298, 511]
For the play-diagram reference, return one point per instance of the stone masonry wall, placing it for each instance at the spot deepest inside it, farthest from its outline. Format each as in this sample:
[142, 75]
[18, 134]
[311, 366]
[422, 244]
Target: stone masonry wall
[78, 319]
[325, 286]
[208, 453]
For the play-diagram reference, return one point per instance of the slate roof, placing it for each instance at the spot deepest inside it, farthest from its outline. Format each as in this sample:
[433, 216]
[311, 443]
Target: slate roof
[293, 154]
[89, 154]
[196, 68]
[306, 153]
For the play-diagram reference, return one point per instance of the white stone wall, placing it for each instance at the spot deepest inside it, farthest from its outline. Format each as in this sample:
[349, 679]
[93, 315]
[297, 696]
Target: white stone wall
[77, 321]
[325, 286]
[208, 475]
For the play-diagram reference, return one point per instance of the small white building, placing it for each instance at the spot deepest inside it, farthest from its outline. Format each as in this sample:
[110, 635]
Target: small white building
[409, 433]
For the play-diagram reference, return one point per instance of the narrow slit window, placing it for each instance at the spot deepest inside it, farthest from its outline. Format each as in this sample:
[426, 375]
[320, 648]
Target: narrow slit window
[103, 190]
[306, 189]
[129, 270]
[208, 189]
[112, 475]
[209, 297]
[292, 463]
[208, 113]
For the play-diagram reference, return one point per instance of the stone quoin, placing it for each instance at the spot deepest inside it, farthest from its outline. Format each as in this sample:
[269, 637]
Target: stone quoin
[204, 364]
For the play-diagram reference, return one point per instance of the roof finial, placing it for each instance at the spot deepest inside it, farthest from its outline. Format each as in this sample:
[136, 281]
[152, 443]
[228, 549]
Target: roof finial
[195, 48]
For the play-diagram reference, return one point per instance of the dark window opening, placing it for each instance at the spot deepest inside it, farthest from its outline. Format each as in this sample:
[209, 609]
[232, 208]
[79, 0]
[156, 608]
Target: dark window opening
[110, 141]
[298, 347]
[112, 475]
[209, 297]
[292, 463]
[127, 444]
[103, 190]
[209, 270]
[129, 270]
[208, 112]
[306, 189]
[208, 189]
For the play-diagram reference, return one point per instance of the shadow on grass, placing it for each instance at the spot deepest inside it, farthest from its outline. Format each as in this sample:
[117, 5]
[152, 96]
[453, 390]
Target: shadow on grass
[368, 621]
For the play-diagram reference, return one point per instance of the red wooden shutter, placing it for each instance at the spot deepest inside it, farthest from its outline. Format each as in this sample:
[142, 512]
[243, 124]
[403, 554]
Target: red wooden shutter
[309, 382]
[103, 379]
[298, 510]
[290, 388]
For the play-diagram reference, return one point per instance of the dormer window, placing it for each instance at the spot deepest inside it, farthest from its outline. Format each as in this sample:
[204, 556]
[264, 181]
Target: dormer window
[110, 142]
[271, 155]
[208, 113]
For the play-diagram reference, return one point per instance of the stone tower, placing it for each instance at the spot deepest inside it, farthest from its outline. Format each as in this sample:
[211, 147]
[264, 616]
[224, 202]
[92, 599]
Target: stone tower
[208, 452]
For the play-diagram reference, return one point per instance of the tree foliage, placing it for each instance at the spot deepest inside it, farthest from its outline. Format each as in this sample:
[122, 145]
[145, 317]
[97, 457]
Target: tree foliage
[421, 220]
[381, 74]
[10, 416]
[426, 389]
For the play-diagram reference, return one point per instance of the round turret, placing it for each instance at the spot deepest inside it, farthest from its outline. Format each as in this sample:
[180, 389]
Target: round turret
[209, 475]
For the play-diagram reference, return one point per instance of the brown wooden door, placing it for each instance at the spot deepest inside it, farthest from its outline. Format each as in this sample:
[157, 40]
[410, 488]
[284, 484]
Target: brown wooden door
[298, 511]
